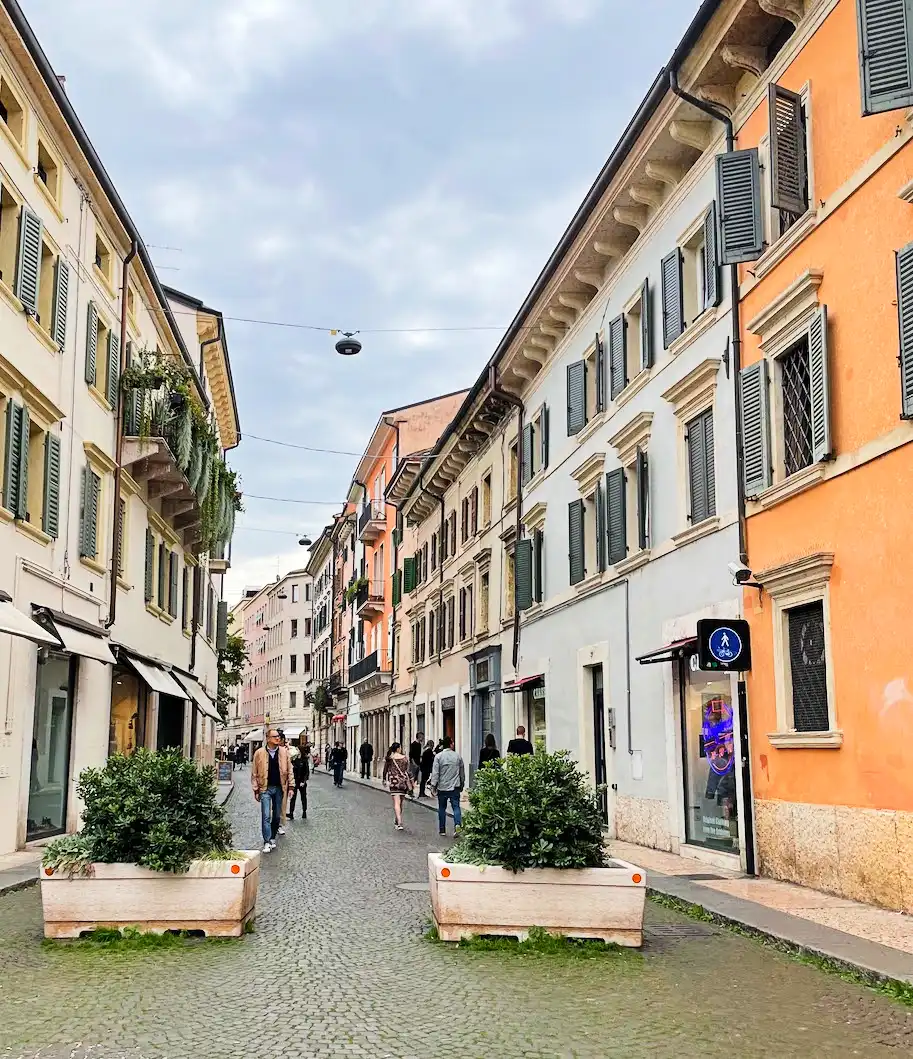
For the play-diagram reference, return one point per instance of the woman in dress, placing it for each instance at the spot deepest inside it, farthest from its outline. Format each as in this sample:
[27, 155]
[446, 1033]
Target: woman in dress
[489, 752]
[398, 780]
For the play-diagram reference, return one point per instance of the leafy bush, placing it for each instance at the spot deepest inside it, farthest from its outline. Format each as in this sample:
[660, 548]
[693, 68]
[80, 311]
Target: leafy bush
[70, 854]
[154, 809]
[535, 811]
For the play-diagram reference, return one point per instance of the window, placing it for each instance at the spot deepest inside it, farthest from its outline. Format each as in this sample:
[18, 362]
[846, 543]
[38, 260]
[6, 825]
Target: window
[103, 257]
[307, 591]
[12, 113]
[484, 582]
[788, 148]
[185, 598]
[451, 616]
[464, 520]
[690, 277]
[630, 342]
[294, 593]
[577, 541]
[173, 566]
[432, 624]
[9, 237]
[90, 495]
[161, 594]
[701, 467]
[434, 539]
[512, 472]
[463, 623]
[577, 392]
[453, 534]
[808, 667]
[474, 510]
[534, 455]
[46, 273]
[486, 481]
[293, 663]
[306, 662]
[294, 629]
[31, 470]
[292, 700]
[102, 369]
[307, 627]
[795, 383]
[510, 575]
[48, 171]
[886, 43]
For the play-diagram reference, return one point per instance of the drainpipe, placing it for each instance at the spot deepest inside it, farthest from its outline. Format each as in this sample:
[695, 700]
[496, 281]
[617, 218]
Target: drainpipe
[440, 594]
[394, 424]
[116, 542]
[197, 596]
[518, 404]
[747, 800]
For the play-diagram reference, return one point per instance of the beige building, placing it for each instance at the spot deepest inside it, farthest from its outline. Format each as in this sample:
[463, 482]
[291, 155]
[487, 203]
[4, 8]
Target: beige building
[110, 610]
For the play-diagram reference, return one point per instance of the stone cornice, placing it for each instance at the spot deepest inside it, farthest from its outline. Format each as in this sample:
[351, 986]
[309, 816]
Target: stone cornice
[810, 571]
[690, 394]
[13, 379]
[535, 518]
[634, 436]
[588, 474]
[792, 305]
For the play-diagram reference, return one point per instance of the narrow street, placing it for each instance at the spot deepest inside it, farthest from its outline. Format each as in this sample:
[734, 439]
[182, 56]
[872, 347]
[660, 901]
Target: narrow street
[338, 966]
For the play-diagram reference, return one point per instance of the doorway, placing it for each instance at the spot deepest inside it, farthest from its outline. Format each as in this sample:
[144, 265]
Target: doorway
[600, 764]
[448, 717]
[171, 723]
[49, 778]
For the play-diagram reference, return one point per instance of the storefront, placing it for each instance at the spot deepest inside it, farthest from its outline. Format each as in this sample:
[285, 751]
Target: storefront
[532, 695]
[485, 699]
[49, 779]
[170, 724]
[128, 712]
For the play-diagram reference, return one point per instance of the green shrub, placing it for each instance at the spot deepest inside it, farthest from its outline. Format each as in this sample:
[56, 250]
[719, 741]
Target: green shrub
[154, 809]
[535, 811]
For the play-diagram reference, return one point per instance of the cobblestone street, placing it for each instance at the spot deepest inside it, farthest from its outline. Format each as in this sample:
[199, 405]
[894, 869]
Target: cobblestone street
[338, 966]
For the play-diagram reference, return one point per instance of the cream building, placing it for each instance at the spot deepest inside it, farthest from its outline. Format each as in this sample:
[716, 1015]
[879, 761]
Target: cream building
[111, 606]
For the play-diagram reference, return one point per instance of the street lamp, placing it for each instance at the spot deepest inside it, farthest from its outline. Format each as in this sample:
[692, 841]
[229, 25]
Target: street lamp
[348, 345]
[305, 541]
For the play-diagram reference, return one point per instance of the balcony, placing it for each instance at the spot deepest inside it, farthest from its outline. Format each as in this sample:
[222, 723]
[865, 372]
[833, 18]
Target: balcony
[150, 461]
[219, 561]
[371, 673]
[369, 600]
[372, 522]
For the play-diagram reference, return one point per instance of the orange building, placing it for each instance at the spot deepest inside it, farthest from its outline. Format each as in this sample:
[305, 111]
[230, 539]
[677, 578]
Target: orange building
[817, 204]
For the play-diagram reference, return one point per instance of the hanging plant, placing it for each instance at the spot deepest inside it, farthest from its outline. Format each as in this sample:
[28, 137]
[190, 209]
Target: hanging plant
[182, 435]
[195, 466]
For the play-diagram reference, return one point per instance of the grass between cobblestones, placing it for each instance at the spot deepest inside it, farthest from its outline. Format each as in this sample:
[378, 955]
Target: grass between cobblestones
[131, 939]
[902, 992]
[541, 943]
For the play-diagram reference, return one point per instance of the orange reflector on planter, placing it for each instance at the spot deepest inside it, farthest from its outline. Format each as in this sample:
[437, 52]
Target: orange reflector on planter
[636, 878]
[48, 871]
[445, 873]
[235, 868]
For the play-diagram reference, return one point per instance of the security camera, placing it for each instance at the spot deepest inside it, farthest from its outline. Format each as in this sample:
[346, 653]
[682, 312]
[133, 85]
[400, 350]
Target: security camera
[740, 573]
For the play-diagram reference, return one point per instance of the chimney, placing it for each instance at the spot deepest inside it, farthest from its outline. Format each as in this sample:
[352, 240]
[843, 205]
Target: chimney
[62, 81]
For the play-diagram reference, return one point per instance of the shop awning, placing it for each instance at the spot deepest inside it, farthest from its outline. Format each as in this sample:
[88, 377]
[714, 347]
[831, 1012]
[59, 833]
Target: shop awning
[255, 735]
[293, 732]
[16, 623]
[338, 717]
[199, 696]
[520, 683]
[670, 653]
[154, 676]
[78, 638]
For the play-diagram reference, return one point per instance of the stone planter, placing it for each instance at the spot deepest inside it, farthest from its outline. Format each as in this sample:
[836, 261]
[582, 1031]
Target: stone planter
[601, 903]
[216, 897]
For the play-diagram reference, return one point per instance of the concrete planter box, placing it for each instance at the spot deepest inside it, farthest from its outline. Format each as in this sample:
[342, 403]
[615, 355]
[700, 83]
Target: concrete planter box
[602, 903]
[217, 897]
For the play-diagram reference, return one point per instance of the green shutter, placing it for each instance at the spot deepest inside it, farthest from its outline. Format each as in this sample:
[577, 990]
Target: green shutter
[616, 516]
[409, 574]
[576, 397]
[646, 326]
[788, 178]
[24, 436]
[576, 541]
[643, 500]
[526, 462]
[173, 584]
[150, 565]
[163, 573]
[885, 54]
[819, 385]
[121, 528]
[91, 344]
[712, 287]
[11, 461]
[738, 192]
[600, 374]
[618, 356]
[523, 574]
[601, 541]
[113, 367]
[222, 626]
[50, 520]
[61, 293]
[28, 266]
[905, 325]
[397, 588]
[543, 438]
[754, 398]
[88, 537]
[672, 296]
[697, 470]
[539, 565]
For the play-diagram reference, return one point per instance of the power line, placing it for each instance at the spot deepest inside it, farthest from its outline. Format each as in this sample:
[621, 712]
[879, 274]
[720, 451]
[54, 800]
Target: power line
[288, 500]
[305, 448]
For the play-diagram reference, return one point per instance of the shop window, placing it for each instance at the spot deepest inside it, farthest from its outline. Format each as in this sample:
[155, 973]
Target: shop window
[128, 698]
[49, 779]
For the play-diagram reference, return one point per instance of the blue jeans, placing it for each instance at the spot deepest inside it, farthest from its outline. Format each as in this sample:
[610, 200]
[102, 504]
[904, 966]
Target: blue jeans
[270, 812]
[453, 797]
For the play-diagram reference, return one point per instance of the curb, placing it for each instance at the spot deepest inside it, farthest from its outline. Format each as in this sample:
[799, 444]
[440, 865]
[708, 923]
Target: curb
[431, 806]
[22, 884]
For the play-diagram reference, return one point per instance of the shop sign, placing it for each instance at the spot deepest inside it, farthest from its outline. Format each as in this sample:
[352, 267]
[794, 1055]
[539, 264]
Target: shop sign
[539, 692]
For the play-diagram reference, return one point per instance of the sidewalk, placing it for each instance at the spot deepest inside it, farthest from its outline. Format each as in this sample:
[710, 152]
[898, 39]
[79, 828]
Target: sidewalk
[865, 938]
[429, 802]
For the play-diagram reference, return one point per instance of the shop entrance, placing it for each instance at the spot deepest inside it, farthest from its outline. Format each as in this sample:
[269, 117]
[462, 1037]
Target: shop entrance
[49, 777]
[128, 712]
[600, 765]
[448, 717]
[171, 722]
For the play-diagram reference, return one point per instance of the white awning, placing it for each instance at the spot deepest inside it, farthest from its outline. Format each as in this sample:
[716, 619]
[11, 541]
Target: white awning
[256, 736]
[82, 643]
[204, 703]
[293, 732]
[158, 679]
[16, 623]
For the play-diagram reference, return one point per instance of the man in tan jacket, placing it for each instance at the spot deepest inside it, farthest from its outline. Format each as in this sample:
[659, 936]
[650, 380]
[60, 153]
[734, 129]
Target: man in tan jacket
[271, 777]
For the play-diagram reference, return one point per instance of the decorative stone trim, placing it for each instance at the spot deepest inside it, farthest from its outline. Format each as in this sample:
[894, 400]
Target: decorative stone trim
[789, 487]
[99, 458]
[633, 562]
[694, 330]
[589, 473]
[482, 559]
[591, 428]
[694, 533]
[810, 572]
[633, 388]
[779, 321]
[906, 192]
[695, 391]
[832, 740]
[535, 518]
[11, 379]
[634, 436]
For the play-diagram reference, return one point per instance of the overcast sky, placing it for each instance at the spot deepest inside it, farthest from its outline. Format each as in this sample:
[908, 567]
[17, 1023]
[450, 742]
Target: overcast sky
[350, 164]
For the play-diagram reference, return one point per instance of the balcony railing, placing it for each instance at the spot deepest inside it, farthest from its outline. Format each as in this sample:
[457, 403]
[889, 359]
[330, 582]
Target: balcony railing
[372, 520]
[370, 598]
[369, 664]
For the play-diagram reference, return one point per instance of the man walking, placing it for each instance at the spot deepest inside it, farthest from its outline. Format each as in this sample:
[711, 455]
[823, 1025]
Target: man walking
[271, 777]
[415, 759]
[366, 756]
[448, 777]
[338, 757]
[521, 745]
[301, 770]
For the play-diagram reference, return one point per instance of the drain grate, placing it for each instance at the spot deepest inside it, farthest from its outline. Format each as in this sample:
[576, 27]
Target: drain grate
[678, 930]
[419, 887]
[699, 876]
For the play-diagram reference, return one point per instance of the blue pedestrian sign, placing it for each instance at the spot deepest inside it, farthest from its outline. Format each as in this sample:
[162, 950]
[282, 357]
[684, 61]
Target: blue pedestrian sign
[723, 645]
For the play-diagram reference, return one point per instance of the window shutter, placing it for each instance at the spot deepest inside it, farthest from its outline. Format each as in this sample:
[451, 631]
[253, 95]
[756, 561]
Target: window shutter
[712, 292]
[543, 437]
[696, 471]
[58, 326]
[163, 573]
[409, 574]
[673, 297]
[885, 59]
[13, 463]
[754, 399]
[474, 510]
[28, 267]
[819, 384]
[709, 462]
[150, 561]
[222, 629]
[576, 397]
[738, 192]
[538, 565]
[905, 323]
[576, 552]
[22, 496]
[526, 459]
[397, 588]
[616, 516]
[173, 584]
[601, 529]
[643, 500]
[523, 574]
[113, 367]
[50, 520]
[451, 609]
[462, 613]
[91, 344]
[646, 326]
[617, 356]
[121, 529]
[89, 536]
[600, 375]
[787, 150]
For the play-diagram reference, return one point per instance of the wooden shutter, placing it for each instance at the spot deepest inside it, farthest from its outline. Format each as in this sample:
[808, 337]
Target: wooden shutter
[672, 297]
[22, 500]
[451, 611]
[28, 266]
[150, 563]
[526, 457]
[819, 385]
[600, 375]
[709, 462]
[50, 519]
[576, 541]
[121, 538]
[91, 344]
[738, 193]
[601, 530]
[754, 400]
[643, 500]
[616, 517]
[113, 367]
[91, 486]
[618, 355]
[222, 630]
[409, 574]
[905, 325]
[12, 472]
[697, 464]
[543, 437]
[576, 397]
[163, 574]
[58, 326]
[397, 587]
[462, 613]
[646, 326]
[788, 180]
[712, 287]
[523, 574]
[538, 565]
[474, 510]
[173, 584]
[885, 54]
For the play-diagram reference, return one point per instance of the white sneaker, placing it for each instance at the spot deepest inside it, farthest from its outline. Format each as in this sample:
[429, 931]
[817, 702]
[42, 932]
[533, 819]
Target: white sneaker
[281, 831]
[267, 848]
[273, 844]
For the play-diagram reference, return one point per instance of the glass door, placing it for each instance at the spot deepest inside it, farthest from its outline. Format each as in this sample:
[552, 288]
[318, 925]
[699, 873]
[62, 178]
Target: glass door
[600, 765]
[50, 770]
